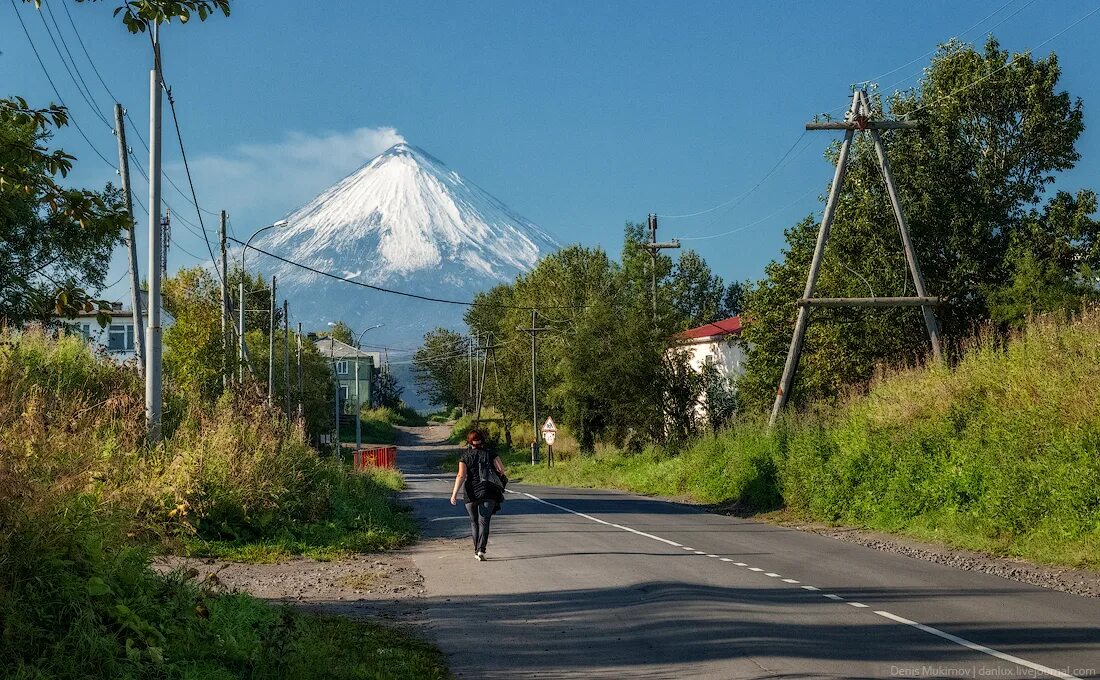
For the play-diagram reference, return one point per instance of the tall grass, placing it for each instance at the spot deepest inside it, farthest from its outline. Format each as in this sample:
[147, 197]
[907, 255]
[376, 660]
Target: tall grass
[1000, 453]
[83, 502]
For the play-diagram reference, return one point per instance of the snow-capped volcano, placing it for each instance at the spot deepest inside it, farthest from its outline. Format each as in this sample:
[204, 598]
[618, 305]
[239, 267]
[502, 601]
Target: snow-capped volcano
[403, 220]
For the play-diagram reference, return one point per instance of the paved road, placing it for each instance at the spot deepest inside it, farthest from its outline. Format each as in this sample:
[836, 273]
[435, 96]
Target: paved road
[598, 584]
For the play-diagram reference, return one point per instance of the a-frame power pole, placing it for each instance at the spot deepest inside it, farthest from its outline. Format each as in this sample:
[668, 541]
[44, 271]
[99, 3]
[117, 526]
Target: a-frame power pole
[857, 120]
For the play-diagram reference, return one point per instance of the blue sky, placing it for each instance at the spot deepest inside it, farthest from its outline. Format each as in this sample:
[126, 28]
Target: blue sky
[578, 115]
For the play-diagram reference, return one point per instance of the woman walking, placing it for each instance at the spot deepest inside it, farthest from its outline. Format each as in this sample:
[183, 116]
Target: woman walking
[478, 472]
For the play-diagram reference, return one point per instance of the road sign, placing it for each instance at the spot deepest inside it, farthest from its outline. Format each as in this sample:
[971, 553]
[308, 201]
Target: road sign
[549, 431]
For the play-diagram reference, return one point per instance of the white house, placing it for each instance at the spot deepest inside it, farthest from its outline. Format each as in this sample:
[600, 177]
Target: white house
[116, 339]
[716, 343]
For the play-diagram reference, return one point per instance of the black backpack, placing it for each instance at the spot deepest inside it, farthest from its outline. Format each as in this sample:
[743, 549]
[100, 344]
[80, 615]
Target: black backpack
[488, 473]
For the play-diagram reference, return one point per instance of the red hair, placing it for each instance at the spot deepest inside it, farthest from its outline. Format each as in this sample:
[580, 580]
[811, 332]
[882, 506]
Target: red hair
[472, 435]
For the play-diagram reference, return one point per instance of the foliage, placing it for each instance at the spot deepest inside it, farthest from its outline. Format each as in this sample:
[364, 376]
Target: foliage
[342, 332]
[193, 357]
[440, 368]
[386, 390]
[998, 454]
[80, 494]
[971, 180]
[56, 241]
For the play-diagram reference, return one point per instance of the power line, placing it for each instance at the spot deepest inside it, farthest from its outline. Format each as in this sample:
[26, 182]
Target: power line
[927, 54]
[961, 33]
[750, 224]
[86, 96]
[380, 289]
[57, 93]
[1007, 64]
[80, 40]
[737, 199]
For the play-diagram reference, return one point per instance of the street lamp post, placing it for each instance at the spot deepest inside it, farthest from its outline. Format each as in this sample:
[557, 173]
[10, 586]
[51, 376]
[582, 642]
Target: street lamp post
[358, 403]
[240, 329]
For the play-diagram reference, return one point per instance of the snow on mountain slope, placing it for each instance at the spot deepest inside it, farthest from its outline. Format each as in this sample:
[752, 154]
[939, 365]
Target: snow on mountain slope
[403, 220]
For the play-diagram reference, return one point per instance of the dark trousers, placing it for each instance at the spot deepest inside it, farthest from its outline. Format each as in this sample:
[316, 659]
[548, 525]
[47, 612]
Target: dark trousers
[480, 514]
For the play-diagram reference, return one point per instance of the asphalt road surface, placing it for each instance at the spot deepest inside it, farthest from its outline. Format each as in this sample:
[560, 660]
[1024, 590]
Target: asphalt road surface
[600, 584]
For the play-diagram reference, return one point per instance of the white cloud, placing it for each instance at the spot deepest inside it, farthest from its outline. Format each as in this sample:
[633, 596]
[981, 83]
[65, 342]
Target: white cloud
[258, 183]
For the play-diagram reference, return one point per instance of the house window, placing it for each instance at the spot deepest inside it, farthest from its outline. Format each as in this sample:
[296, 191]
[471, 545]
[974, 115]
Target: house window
[86, 330]
[343, 393]
[341, 368]
[120, 338]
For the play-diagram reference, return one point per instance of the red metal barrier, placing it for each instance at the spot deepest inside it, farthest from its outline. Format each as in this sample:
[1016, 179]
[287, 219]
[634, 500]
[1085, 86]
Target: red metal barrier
[377, 456]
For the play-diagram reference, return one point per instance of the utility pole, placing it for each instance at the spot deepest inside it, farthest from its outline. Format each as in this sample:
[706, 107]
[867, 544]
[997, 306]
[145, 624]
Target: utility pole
[271, 348]
[153, 396]
[332, 359]
[654, 249]
[286, 354]
[534, 330]
[858, 119]
[470, 370]
[301, 388]
[166, 240]
[135, 291]
[225, 303]
[240, 327]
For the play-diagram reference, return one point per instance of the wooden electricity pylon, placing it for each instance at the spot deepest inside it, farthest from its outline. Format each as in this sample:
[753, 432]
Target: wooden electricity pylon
[858, 119]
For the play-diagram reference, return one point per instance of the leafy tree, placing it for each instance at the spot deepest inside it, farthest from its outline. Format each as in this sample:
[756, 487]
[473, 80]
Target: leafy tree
[439, 368]
[193, 351]
[55, 242]
[994, 132]
[342, 332]
[719, 397]
[387, 391]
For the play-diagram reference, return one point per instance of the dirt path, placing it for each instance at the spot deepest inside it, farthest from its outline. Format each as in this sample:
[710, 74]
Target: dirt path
[373, 584]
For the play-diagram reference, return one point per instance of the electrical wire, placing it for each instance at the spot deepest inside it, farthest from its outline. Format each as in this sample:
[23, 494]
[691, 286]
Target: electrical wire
[186, 165]
[744, 227]
[740, 197]
[57, 93]
[990, 29]
[380, 289]
[1007, 64]
[961, 33]
[86, 96]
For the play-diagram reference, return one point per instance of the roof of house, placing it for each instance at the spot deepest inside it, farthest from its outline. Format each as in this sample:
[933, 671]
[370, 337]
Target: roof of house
[119, 308]
[334, 349]
[716, 329]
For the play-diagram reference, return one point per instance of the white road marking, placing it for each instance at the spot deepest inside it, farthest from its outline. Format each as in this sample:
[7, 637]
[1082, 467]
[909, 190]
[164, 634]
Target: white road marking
[885, 614]
[978, 648]
[725, 559]
[789, 580]
[741, 564]
[686, 548]
[698, 552]
[858, 604]
[714, 556]
[772, 574]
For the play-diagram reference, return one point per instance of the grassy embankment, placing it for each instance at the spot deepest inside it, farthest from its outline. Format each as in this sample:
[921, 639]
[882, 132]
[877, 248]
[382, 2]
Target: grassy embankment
[83, 505]
[999, 454]
[378, 425]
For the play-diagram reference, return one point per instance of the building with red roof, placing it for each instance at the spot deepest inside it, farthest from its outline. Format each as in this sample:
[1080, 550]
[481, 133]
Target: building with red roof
[717, 343]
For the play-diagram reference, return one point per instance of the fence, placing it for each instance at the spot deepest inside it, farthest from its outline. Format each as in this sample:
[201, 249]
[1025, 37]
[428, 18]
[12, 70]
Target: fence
[377, 456]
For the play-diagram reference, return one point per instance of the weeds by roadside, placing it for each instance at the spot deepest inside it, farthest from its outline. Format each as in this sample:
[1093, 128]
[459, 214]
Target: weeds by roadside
[83, 503]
